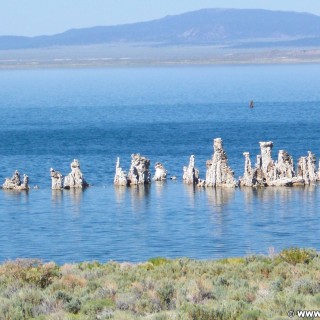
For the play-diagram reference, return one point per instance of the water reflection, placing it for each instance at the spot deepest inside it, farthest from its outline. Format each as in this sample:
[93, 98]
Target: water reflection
[140, 197]
[120, 193]
[14, 195]
[76, 196]
[160, 186]
[170, 219]
[57, 197]
[281, 198]
[69, 198]
[218, 198]
[191, 192]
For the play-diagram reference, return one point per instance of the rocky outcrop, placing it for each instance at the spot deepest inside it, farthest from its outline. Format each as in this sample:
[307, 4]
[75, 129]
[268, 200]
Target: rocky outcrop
[120, 178]
[15, 183]
[266, 164]
[271, 173]
[247, 179]
[284, 166]
[139, 170]
[56, 180]
[75, 178]
[219, 174]
[161, 172]
[190, 172]
[306, 168]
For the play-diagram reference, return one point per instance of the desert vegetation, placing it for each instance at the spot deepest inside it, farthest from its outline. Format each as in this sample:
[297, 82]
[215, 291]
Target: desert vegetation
[248, 288]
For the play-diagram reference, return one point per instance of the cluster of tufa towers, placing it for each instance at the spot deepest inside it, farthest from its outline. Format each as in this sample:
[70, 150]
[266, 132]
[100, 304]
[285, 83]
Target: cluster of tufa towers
[15, 182]
[266, 172]
[74, 179]
[139, 172]
[281, 172]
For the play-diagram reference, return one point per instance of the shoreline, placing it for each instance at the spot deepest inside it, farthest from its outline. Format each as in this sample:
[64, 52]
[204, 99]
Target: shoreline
[143, 56]
[144, 64]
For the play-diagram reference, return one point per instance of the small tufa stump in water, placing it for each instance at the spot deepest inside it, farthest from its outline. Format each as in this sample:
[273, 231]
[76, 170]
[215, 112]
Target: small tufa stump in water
[75, 178]
[219, 174]
[190, 172]
[56, 180]
[15, 183]
[120, 178]
[139, 170]
[161, 172]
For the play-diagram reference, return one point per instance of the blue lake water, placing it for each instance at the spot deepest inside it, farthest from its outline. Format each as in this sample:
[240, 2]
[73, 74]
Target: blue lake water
[49, 117]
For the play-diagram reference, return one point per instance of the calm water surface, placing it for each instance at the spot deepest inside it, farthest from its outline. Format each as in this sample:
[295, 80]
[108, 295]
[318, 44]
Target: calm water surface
[50, 117]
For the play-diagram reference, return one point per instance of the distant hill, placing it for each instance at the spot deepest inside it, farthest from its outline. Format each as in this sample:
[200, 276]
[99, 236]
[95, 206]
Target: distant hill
[226, 27]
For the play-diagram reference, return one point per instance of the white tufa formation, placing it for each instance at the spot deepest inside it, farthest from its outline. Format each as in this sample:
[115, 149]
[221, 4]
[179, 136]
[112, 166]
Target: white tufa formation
[266, 164]
[75, 178]
[191, 173]
[139, 171]
[120, 178]
[278, 173]
[219, 174]
[284, 166]
[306, 169]
[247, 179]
[56, 180]
[15, 183]
[161, 172]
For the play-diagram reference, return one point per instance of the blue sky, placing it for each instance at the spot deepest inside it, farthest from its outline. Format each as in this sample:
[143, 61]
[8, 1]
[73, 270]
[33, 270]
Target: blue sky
[37, 17]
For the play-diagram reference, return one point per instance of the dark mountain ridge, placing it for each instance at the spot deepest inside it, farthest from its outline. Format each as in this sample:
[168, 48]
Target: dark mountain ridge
[207, 26]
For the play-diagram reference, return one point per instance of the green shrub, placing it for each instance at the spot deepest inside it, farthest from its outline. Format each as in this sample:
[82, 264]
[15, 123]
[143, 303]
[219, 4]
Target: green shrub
[61, 295]
[252, 315]
[287, 300]
[89, 265]
[165, 293]
[316, 300]
[196, 312]
[31, 271]
[158, 261]
[145, 305]
[306, 286]
[235, 260]
[277, 285]
[94, 307]
[125, 301]
[296, 255]
[222, 281]
[73, 306]
[204, 312]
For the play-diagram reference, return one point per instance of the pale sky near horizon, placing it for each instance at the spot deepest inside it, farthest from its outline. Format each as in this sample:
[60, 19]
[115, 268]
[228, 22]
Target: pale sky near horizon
[38, 17]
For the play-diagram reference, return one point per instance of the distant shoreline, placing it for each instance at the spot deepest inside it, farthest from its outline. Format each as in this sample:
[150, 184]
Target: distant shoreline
[80, 64]
[108, 57]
